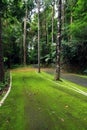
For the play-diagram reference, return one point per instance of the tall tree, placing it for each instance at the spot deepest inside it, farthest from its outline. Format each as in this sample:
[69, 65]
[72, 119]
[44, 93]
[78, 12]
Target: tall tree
[1, 54]
[38, 3]
[53, 22]
[3, 7]
[28, 8]
[24, 44]
[58, 44]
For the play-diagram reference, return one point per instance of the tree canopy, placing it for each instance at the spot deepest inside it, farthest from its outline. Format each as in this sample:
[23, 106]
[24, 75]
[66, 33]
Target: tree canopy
[74, 28]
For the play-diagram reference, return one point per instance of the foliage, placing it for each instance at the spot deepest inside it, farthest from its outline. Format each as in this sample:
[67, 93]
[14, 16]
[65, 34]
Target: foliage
[6, 81]
[74, 36]
[2, 85]
[12, 30]
[85, 72]
[74, 43]
[47, 50]
[73, 53]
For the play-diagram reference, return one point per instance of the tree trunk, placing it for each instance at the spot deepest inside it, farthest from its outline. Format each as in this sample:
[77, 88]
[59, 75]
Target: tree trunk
[21, 50]
[38, 36]
[1, 54]
[25, 38]
[52, 22]
[46, 28]
[71, 21]
[58, 45]
[63, 15]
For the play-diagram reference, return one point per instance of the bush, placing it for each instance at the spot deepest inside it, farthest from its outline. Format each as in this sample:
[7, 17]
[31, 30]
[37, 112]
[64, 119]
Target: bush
[85, 72]
[1, 85]
[6, 80]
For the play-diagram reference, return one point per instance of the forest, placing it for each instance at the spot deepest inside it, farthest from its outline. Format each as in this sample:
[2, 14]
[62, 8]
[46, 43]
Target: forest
[47, 40]
[19, 26]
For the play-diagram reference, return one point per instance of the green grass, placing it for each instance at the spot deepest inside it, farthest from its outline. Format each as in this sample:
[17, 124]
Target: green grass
[36, 103]
[64, 82]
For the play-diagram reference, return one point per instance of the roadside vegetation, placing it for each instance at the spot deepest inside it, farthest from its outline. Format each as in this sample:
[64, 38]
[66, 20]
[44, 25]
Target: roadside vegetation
[82, 76]
[5, 84]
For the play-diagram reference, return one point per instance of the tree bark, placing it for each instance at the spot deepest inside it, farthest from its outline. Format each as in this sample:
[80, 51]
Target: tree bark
[46, 28]
[25, 38]
[38, 36]
[63, 14]
[1, 54]
[58, 44]
[71, 21]
[52, 22]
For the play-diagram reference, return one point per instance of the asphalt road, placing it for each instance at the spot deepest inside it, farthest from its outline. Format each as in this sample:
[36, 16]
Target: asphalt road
[75, 79]
[71, 77]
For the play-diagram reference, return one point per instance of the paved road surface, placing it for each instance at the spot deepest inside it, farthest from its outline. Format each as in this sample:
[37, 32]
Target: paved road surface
[71, 77]
[76, 79]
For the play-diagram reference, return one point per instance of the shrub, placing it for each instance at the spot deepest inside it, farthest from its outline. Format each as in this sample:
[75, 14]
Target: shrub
[1, 85]
[6, 80]
[85, 72]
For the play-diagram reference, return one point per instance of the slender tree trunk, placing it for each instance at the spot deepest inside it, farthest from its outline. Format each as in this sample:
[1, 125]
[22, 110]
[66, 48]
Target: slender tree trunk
[38, 36]
[71, 20]
[21, 50]
[52, 22]
[46, 27]
[63, 15]
[58, 45]
[1, 54]
[47, 32]
[25, 38]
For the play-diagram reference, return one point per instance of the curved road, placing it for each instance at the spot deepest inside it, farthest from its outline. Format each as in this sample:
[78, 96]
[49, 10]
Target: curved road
[71, 77]
[75, 79]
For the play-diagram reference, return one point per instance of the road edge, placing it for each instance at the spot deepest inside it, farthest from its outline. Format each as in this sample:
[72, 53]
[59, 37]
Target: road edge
[6, 95]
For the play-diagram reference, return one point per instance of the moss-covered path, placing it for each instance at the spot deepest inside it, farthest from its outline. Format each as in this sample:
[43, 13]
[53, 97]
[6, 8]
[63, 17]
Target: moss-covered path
[35, 103]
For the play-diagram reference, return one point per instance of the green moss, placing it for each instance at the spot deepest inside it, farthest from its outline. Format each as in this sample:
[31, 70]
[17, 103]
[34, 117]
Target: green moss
[37, 103]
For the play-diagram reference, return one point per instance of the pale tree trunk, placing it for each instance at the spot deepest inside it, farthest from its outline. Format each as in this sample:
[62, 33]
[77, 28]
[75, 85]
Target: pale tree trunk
[1, 54]
[46, 32]
[58, 44]
[63, 14]
[21, 50]
[46, 28]
[71, 20]
[24, 43]
[38, 36]
[52, 22]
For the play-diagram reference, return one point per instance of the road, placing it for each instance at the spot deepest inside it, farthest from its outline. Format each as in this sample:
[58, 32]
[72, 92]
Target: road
[75, 79]
[71, 77]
